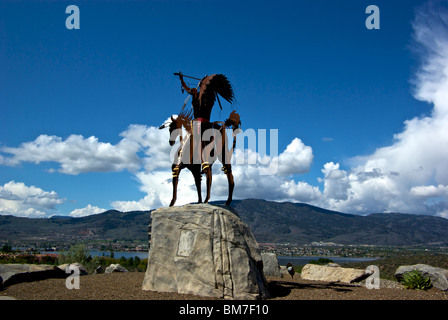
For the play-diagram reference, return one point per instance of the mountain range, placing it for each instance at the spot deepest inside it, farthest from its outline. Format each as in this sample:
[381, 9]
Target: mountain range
[269, 221]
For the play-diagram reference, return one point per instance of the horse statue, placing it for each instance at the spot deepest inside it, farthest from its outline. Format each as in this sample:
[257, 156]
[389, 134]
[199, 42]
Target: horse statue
[198, 155]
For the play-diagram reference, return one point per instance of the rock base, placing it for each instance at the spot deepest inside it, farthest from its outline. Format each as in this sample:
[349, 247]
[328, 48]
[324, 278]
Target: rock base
[204, 250]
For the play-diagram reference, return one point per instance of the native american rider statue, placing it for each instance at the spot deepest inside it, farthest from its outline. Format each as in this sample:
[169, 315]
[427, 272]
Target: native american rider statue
[200, 150]
[203, 101]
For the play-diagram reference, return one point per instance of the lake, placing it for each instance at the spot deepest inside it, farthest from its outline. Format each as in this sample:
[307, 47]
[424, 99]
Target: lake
[117, 254]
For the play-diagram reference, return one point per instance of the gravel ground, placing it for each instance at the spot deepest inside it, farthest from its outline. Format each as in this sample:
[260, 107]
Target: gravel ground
[127, 286]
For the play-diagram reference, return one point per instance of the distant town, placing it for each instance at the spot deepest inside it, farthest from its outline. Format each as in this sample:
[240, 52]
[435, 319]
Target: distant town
[353, 251]
[320, 249]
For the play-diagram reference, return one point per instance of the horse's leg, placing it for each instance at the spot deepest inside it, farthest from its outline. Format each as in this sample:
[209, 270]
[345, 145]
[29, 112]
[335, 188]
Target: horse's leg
[207, 168]
[227, 168]
[176, 171]
[197, 181]
[226, 156]
[207, 162]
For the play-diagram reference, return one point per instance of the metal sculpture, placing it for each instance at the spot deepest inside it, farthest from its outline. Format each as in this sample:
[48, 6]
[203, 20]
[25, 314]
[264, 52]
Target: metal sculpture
[198, 154]
[209, 89]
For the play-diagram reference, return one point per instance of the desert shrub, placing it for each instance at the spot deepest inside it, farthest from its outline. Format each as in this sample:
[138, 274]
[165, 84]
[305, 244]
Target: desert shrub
[416, 280]
[142, 265]
[77, 253]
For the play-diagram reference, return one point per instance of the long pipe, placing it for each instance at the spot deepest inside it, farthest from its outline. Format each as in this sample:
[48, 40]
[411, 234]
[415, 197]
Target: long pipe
[178, 74]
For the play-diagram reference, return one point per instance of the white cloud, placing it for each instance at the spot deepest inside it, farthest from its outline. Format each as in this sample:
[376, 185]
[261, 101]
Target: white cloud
[86, 211]
[20, 200]
[297, 158]
[158, 187]
[154, 142]
[429, 191]
[76, 154]
[300, 192]
[361, 191]
[336, 182]
[443, 213]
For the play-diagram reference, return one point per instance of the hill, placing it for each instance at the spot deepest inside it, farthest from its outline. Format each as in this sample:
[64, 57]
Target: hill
[109, 225]
[302, 223]
[270, 222]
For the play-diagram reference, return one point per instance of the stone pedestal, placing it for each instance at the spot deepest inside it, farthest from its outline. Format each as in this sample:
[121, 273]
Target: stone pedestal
[204, 250]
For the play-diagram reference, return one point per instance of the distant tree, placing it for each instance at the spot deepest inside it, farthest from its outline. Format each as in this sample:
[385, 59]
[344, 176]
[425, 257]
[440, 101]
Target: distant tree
[6, 248]
[77, 253]
[143, 265]
[137, 261]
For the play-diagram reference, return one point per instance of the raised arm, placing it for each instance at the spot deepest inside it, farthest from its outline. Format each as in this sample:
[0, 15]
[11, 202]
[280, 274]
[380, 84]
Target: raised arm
[184, 85]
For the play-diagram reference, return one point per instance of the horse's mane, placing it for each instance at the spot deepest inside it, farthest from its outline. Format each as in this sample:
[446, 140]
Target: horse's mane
[185, 117]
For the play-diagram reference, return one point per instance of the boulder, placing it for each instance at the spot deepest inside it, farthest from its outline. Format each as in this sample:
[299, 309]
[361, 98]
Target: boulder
[204, 250]
[16, 273]
[332, 264]
[115, 268]
[99, 270]
[270, 264]
[284, 272]
[82, 269]
[333, 274]
[438, 276]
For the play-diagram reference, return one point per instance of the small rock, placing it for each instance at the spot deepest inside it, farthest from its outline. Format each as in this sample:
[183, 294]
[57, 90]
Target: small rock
[99, 270]
[270, 264]
[283, 272]
[332, 274]
[115, 268]
[332, 264]
[82, 269]
[16, 273]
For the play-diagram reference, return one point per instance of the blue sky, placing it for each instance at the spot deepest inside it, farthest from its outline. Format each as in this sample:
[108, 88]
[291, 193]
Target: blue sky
[352, 106]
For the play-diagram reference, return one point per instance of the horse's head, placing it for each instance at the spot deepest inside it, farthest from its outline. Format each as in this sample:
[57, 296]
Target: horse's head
[174, 126]
[233, 120]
